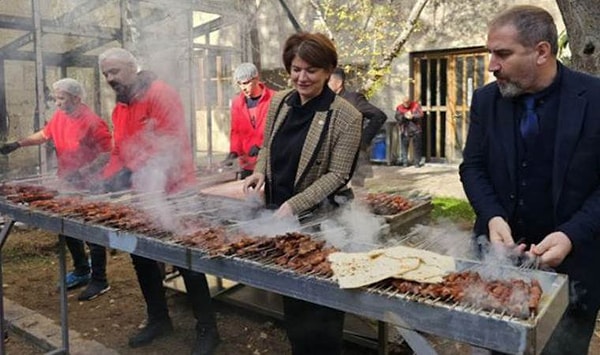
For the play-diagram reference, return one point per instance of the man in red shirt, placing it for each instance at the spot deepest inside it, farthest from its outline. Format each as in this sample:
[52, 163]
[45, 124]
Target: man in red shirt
[152, 152]
[248, 116]
[83, 143]
[409, 115]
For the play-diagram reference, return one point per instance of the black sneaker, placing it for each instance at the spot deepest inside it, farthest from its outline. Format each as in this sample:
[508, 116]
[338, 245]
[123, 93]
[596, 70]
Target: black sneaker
[207, 340]
[152, 330]
[93, 290]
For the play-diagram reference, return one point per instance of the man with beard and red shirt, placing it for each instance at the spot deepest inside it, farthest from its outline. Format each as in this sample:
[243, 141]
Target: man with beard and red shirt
[248, 115]
[152, 152]
[83, 142]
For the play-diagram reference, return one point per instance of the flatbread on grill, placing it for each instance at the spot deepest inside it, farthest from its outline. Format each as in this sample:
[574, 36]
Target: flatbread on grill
[354, 270]
[424, 273]
[360, 269]
[432, 268]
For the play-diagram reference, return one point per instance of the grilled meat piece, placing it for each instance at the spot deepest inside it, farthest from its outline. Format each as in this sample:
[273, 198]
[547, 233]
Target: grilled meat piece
[515, 297]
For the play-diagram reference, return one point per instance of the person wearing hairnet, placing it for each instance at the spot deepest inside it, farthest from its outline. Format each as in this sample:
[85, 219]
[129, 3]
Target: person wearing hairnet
[83, 143]
[248, 115]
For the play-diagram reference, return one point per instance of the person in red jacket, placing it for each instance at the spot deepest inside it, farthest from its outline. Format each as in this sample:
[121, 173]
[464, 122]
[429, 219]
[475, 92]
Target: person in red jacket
[248, 115]
[83, 142]
[409, 115]
[152, 152]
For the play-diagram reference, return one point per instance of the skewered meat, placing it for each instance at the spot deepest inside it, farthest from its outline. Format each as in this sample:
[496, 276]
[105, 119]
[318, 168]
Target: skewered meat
[24, 193]
[387, 204]
[515, 297]
[297, 251]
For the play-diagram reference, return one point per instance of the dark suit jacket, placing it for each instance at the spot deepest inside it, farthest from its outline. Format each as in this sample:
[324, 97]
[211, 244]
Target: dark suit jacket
[373, 117]
[488, 171]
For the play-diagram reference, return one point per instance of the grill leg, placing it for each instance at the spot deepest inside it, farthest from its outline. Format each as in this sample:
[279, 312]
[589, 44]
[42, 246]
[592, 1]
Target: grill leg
[62, 273]
[416, 342]
[8, 223]
[382, 335]
[479, 351]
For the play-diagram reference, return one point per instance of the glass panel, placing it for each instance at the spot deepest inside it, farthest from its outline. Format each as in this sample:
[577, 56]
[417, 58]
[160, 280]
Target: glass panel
[459, 80]
[480, 71]
[443, 135]
[433, 78]
[424, 81]
[432, 128]
[443, 81]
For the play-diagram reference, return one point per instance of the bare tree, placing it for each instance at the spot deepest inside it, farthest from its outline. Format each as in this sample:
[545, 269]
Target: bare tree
[582, 20]
[377, 72]
[370, 33]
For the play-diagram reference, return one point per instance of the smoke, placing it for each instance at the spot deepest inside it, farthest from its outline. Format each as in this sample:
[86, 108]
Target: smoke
[266, 224]
[490, 261]
[353, 228]
[443, 238]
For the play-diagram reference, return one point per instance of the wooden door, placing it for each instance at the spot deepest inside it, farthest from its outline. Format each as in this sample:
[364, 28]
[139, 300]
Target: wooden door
[444, 83]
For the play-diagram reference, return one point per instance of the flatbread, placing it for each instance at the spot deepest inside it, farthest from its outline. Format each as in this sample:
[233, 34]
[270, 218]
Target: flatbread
[360, 269]
[424, 273]
[432, 268]
[354, 270]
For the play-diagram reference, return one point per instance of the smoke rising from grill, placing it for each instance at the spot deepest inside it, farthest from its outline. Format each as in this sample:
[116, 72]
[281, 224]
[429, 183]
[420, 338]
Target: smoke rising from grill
[266, 224]
[353, 229]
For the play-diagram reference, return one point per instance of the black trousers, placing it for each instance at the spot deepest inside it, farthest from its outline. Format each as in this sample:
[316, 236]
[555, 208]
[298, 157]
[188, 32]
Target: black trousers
[574, 331]
[245, 173]
[198, 294]
[313, 329]
[572, 335]
[405, 140]
[80, 261]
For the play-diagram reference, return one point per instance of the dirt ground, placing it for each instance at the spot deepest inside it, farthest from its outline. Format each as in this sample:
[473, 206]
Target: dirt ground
[30, 272]
[30, 276]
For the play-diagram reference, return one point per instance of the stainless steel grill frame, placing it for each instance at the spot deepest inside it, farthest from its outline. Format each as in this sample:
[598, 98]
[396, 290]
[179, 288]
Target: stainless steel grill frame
[461, 323]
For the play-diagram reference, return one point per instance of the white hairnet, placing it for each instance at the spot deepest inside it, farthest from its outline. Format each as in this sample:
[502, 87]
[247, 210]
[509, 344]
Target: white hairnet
[244, 72]
[70, 86]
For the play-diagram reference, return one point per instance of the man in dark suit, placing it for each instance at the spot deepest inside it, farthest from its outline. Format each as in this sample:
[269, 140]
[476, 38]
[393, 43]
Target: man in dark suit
[531, 166]
[373, 119]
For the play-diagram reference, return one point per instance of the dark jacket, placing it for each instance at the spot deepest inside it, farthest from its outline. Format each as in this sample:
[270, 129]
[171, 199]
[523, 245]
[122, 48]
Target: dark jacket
[488, 172]
[373, 118]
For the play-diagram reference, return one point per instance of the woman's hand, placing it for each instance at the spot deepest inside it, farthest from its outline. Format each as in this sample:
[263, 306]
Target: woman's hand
[284, 211]
[254, 182]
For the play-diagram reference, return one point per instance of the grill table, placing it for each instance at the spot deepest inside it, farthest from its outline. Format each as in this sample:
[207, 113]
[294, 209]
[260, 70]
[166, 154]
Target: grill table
[410, 313]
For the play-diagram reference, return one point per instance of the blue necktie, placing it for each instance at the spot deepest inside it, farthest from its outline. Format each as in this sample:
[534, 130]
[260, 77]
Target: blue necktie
[530, 126]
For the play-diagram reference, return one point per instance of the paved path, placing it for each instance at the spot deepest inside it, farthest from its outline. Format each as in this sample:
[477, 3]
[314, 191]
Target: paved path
[45, 333]
[439, 180]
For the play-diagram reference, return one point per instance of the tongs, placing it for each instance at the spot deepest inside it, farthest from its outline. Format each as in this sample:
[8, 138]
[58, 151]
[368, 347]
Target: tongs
[515, 257]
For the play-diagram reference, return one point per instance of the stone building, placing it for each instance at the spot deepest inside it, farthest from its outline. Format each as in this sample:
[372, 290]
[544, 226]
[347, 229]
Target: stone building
[196, 44]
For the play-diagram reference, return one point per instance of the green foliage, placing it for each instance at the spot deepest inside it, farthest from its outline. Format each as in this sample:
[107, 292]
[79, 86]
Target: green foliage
[363, 32]
[564, 52]
[453, 209]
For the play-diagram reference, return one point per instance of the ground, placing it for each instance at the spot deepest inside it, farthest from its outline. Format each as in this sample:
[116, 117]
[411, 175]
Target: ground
[30, 276]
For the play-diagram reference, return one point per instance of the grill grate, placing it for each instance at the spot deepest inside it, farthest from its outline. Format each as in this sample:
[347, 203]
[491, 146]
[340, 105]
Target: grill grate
[492, 329]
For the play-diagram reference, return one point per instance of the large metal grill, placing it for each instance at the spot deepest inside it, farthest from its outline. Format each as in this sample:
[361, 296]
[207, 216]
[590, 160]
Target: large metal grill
[460, 322]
